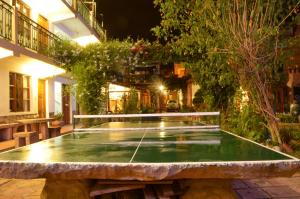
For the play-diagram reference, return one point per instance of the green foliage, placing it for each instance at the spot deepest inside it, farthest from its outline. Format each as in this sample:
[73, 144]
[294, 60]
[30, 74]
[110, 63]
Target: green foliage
[198, 98]
[286, 118]
[66, 52]
[92, 67]
[247, 123]
[289, 135]
[244, 120]
[175, 83]
[147, 109]
[229, 41]
[89, 87]
[58, 116]
[185, 109]
[218, 83]
[131, 102]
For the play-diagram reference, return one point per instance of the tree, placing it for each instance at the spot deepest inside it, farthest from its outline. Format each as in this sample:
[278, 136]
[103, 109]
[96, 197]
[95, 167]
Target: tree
[130, 102]
[242, 35]
[92, 67]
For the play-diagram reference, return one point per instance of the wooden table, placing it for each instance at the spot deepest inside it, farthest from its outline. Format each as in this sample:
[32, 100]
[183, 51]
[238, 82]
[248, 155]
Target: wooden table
[7, 130]
[37, 124]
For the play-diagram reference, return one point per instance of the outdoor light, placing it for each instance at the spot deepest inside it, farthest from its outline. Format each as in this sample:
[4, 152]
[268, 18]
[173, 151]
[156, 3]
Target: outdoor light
[161, 87]
[41, 69]
[54, 10]
[85, 40]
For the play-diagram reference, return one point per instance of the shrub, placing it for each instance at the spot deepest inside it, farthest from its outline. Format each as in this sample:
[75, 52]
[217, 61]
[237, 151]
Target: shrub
[131, 102]
[247, 123]
[286, 118]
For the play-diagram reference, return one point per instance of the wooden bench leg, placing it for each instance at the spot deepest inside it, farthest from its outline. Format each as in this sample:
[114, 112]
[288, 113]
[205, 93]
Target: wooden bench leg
[20, 141]
[25, 138]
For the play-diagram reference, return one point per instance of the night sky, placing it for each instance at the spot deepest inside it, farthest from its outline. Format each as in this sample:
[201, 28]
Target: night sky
[124, 18]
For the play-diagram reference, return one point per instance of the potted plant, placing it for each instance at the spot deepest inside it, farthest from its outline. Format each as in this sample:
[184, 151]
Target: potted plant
[57, 119]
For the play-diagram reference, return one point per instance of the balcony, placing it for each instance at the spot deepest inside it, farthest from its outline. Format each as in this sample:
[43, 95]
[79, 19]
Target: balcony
[17, 29]
[88, 17]
[99, 29]
[6, 13]
[33, 36]
[74, 18]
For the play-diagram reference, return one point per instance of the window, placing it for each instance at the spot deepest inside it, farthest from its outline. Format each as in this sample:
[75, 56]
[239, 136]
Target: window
[23, 8]
[19, 92]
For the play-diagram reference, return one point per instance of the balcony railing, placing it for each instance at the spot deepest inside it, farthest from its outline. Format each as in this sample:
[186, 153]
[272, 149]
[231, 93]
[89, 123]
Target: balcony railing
[90, 19]
[99, 29]
[33, 36]
[84, 11]
[6, 12]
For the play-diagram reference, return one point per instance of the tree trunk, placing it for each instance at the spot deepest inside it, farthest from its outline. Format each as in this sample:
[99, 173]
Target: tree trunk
[261, 94]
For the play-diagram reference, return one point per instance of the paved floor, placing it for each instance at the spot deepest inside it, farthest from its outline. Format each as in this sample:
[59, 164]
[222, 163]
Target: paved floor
[268, 188]
[278, 188]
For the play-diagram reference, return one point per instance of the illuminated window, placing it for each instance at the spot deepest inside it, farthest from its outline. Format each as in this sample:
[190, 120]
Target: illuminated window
[19, 92]
[23, 8]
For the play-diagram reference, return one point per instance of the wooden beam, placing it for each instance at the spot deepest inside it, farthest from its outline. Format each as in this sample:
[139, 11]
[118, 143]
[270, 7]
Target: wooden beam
[98, 190]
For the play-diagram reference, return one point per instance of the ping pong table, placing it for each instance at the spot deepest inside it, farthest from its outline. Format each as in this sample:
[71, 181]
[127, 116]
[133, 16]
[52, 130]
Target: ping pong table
[145, 155]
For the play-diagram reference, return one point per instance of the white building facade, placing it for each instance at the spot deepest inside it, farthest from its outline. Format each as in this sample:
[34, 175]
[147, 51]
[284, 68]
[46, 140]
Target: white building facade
[31, 82]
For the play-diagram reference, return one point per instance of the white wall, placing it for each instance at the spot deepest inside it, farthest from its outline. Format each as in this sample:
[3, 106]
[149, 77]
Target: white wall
[50, 95]
[5, 68]
[60, 32]
[16, 64]
[58, 97]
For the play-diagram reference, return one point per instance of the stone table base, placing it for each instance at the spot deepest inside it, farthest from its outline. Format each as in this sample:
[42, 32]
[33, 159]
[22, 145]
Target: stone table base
[80, 189]
[66, 189]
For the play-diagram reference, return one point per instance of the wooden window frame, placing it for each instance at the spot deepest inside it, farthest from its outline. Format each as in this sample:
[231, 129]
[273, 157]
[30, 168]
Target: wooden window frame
[19, 92]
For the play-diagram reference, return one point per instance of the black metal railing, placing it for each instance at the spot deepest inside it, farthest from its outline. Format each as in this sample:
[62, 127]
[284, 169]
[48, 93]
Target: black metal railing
[99, 29]
[6, 13]
[33, 36]
[84, 11]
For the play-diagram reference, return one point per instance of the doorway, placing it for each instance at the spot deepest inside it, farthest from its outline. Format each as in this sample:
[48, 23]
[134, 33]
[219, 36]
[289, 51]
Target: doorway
[41, 98]
[42, 34]
[66, 103]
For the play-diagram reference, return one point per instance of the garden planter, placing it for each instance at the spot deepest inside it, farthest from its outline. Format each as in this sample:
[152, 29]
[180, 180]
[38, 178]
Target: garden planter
[57, 123]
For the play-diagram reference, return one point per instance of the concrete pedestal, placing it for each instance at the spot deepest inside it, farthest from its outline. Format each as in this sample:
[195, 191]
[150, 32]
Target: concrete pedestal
[66, 189]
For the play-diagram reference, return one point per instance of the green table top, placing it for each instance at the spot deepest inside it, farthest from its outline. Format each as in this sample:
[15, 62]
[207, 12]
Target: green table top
[144, 146]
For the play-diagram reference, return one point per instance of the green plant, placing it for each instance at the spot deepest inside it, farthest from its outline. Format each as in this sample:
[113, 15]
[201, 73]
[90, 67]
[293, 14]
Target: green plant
[147, 109]
[186, 108]
[58, 116]
[131, 102]
[242, 38]
[92, 67]
[247, 123]
[286, 118]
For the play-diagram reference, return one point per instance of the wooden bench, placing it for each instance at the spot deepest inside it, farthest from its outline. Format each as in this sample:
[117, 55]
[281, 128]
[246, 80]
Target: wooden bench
[7, 130]
[54, 131]
[25, 138]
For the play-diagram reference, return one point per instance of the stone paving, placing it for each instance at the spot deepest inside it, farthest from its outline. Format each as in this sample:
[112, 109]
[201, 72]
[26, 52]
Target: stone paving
[268, 188]
[21, 189]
